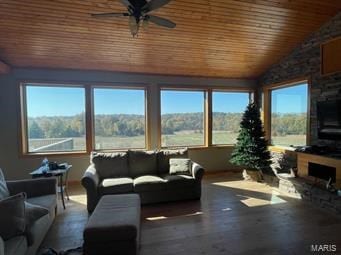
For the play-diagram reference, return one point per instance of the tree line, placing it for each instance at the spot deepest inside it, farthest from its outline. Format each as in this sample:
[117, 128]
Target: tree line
[134, 125]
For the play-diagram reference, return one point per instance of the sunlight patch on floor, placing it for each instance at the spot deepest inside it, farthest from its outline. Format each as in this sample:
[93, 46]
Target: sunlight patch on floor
[245, 185]
[165, 217]
[253, 194]
[253, 201]
[80, 199]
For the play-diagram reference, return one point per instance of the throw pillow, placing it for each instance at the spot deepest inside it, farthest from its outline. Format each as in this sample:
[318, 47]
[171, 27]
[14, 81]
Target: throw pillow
[180, 166]
[12, 220]
[163, 157]
[4, 193]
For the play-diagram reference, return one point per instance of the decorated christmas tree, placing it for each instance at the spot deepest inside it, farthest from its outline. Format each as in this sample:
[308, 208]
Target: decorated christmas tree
[251, 150]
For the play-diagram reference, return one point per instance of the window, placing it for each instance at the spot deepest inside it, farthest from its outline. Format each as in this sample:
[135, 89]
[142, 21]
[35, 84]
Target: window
[289, 107]
[182, 118]
[120, 121]
[227, 111]
[55, 118]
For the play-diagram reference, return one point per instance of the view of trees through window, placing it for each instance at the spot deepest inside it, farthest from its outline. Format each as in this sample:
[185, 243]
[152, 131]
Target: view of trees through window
[55, 118]
[289, 106]
[182, 118]
[119, 118]
[227, 111]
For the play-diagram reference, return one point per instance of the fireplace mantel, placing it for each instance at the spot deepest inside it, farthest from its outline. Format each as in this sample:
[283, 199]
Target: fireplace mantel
[303, 160]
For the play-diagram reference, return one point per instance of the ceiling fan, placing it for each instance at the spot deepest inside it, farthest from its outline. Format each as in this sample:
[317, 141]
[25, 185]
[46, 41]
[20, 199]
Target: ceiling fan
[138, 12]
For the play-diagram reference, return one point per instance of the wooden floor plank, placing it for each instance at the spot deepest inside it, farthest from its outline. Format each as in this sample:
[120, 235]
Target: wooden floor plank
[233, 217]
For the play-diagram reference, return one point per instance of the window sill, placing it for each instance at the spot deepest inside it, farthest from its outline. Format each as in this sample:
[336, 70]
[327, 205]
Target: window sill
[279, 148]
[54, 154]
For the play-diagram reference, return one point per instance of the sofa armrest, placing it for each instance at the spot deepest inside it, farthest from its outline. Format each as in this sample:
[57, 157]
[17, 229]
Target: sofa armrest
[33, 187]
[90, 178]
[2, 246]
[197, 171]
[90, 182]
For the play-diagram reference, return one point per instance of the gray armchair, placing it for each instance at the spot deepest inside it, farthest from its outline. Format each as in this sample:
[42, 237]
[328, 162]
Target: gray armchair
[41, 192]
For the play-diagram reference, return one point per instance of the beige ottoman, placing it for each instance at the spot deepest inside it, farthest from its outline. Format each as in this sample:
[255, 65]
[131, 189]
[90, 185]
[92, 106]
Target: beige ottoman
[114, 226]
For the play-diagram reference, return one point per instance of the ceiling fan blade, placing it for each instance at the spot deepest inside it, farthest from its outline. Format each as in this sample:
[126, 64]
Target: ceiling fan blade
[154, 4]
[161, 21]
[109, 14]
[133, 26]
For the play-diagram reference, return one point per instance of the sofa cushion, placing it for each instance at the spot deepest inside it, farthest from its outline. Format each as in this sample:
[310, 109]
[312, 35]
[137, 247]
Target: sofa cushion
[178, 181]
[4, 193]
[116, 185]
[12, 220]
[16, 246]
[111, 165]
[48, 201]
[149, 183]
[142, 163]
[164, 156]
[180, 166]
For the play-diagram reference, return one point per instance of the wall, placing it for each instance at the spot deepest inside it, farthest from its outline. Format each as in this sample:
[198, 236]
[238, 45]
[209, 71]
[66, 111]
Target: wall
[305, 61]
[16, 166]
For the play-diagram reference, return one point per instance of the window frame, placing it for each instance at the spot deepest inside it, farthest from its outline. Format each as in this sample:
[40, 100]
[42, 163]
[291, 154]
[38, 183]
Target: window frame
[267, 110]
[149, 88]
[208, 114]
[146, 108]
[89, 115]
[23, 123]
[251, 96]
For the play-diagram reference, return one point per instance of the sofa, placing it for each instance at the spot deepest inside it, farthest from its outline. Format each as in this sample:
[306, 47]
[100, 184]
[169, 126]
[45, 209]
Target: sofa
[146, 173]
[38, 193]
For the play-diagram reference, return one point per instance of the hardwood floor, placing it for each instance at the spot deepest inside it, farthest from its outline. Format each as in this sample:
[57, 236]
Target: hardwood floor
[233, 217]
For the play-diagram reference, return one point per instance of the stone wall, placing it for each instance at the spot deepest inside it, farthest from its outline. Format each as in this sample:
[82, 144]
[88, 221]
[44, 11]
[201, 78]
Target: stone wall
[305, 61]
[314, 193]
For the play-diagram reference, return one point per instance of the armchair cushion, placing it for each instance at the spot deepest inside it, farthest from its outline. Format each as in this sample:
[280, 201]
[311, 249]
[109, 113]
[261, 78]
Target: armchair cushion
[49, 202]
[180, 166]
[33, 213]
[142, 163]
[111, 165]
[4, 193]
[16, 245]
[12, 220]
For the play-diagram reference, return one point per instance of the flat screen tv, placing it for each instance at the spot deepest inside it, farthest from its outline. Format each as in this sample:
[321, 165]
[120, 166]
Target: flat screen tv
[329, 119]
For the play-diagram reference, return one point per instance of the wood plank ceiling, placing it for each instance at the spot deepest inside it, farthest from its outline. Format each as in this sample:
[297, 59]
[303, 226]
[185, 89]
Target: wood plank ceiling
[213, 38]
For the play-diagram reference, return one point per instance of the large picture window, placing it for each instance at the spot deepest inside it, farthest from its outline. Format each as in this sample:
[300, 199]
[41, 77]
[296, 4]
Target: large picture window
[182, 118]
[55, 118]
[227, 111]
[289, 107]
[120, 121]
